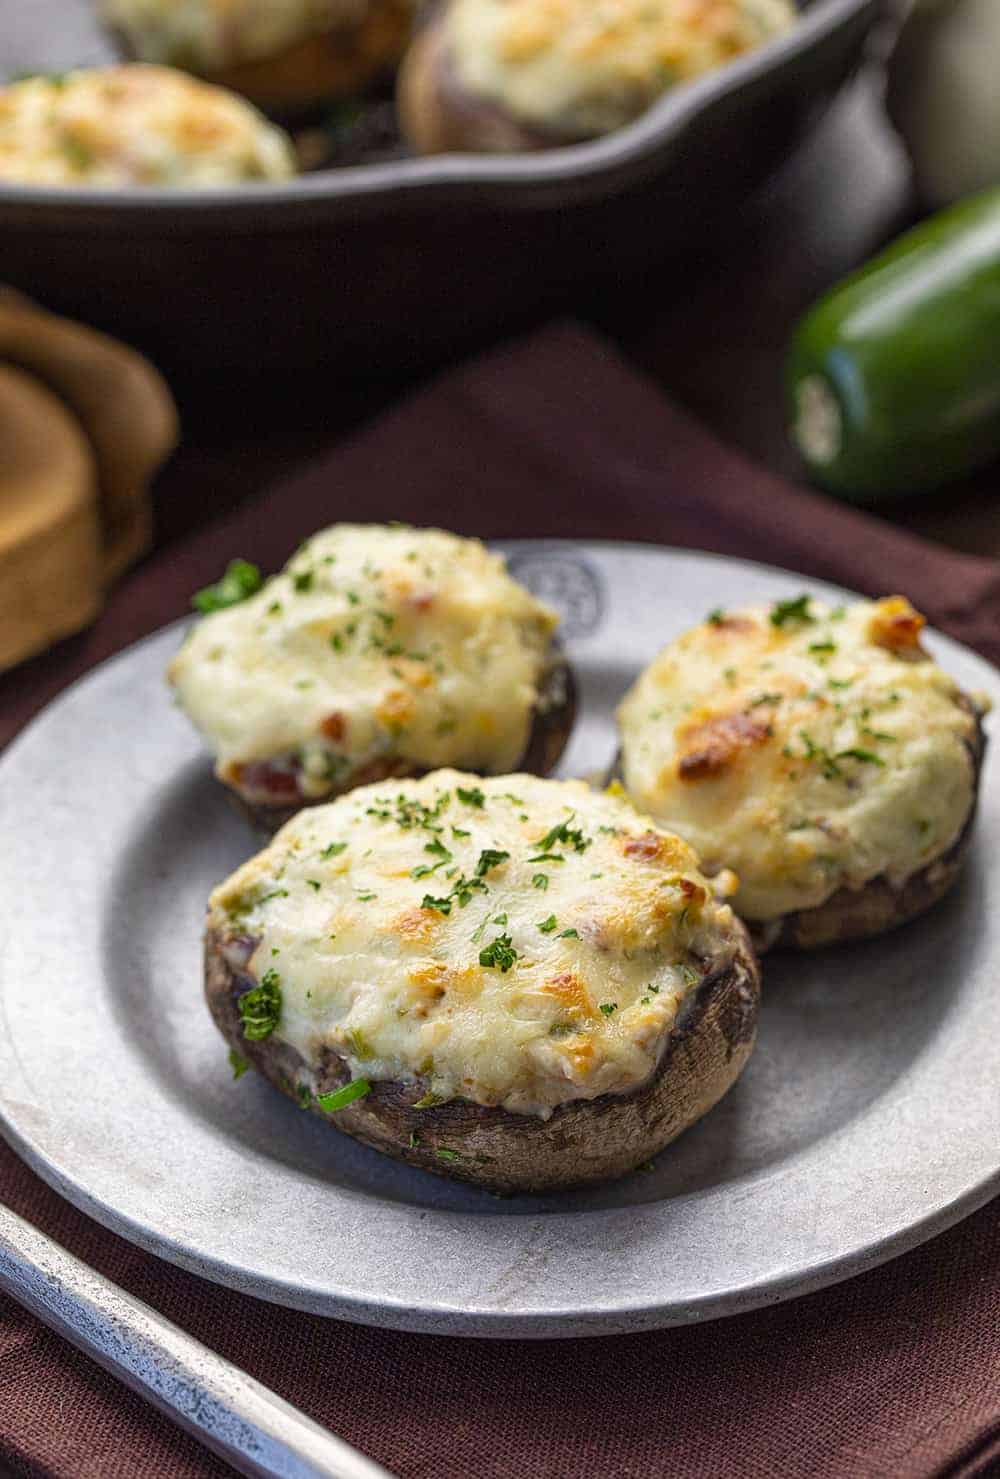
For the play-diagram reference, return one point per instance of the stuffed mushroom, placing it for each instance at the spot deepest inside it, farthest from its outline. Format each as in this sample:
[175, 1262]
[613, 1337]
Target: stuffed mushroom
[378, 651]
[115, 127]
[284, 54]
[505, 75]
[517, 982]
[818, 752]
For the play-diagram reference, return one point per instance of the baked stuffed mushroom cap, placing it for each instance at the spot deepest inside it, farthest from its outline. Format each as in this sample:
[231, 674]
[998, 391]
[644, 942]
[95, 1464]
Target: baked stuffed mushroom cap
[378, 651]
[281, 53]
[818, 752]
[518, 982]
[501, 75]
[113, 127]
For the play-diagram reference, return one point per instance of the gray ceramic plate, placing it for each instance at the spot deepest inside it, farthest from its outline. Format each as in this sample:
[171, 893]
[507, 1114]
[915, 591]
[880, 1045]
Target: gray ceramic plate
[868, 1120]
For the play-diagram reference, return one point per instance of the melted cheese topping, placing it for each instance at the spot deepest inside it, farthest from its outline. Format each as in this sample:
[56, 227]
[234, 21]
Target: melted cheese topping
[210, 35]
[513, 941]
[374, 643]
[134, 125]
[811, 755]
[580, 68]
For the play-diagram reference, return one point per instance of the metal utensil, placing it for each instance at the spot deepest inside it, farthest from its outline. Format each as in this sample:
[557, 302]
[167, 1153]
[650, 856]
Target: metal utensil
[225, 1409]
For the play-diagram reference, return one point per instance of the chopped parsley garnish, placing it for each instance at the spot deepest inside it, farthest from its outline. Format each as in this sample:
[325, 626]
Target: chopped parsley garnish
[340, 1098]
[464, 888]
[365, 897]
[489, 859]
[429, 1101]
[302, 580]
[276, 893]
[459, 832]
[865, 757]
[333, 849]
[438, 850]
[472, 797]
[240, 581]
[499, 955]
[314, 883]
[238, 1064]
[548, 925]
[540, 880]
[564, 833]
[441, 906]
[716, 617]
[304, 1093]
[359, 1044]
[568, 935]
[353, 597]
[765, 698]
[260, 1009]
[828, 762]
[410, 813]
[840, 682]
[782, 612]
[447, 1155]
[607, 1007]
[547, 857]
[825, 646]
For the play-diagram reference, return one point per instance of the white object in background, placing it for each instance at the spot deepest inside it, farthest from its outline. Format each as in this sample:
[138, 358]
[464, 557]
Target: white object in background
[943, 96]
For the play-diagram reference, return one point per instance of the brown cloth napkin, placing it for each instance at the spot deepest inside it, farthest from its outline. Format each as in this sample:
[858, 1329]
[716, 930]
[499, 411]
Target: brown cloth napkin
[896, 1374]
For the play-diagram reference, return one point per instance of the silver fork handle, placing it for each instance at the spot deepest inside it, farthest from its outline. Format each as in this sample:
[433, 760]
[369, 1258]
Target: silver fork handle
[251, 1427]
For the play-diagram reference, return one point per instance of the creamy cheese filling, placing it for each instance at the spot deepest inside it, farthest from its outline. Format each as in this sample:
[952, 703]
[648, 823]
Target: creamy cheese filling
[581, 68]
[375, 642]
[808, 749]
[210, 35]
[509, 941]
[135, 125]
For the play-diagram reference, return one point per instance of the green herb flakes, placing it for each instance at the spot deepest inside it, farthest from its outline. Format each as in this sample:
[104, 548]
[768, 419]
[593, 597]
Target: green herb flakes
[340, 1098]
[864, 757]
[499, 955]
[238, 1064]
[429, 1101]
[240, 581]
[783, 612]
[260, 1009]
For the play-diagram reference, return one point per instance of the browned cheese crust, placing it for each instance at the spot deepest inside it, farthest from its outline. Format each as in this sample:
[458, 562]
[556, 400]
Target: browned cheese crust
[553, 723]
[583, 1141]
[857, 914]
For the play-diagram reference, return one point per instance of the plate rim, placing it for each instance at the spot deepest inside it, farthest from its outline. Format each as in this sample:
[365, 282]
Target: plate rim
[436, 1315]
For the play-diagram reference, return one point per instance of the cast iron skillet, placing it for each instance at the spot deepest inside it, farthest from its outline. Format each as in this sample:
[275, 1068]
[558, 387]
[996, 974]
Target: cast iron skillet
[390, 265]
